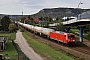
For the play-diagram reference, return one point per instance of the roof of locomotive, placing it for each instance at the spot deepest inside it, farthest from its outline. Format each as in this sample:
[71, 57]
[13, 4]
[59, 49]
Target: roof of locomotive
[62, 32]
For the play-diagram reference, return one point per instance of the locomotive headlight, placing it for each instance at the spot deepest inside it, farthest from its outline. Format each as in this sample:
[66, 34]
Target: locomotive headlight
[73, 40]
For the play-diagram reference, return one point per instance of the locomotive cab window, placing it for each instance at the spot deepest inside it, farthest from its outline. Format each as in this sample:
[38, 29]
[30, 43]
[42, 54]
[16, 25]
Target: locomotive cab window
[71, 36]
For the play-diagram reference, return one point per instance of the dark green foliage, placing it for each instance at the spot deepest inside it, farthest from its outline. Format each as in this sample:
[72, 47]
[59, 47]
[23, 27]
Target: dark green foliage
[87, 30]
[88, 33]
[57, 18]
[41, 18]
[27, 21]
[60, 27]
[50, 19]
[5, 21]
[31, 21]
[12, 27]
[22, 19]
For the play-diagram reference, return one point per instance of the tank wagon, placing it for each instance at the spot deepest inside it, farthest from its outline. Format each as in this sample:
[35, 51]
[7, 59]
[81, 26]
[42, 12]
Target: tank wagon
[46, 32]
[38, 30]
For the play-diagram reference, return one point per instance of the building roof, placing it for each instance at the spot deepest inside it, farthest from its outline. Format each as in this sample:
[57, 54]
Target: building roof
[27, 18]
[36, 19]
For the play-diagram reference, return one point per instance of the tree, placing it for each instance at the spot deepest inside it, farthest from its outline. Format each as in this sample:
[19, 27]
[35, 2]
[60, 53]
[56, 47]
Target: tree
[22, 19]
[50, 19]
[57, 18]
[5, 21]
[60, 26]
[31, 21]
[12, 27]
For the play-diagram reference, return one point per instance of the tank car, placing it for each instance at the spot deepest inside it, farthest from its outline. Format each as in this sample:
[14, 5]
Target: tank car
[38, 30]
[46, 32]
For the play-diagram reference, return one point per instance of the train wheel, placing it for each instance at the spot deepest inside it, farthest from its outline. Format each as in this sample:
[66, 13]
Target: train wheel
[48, 37]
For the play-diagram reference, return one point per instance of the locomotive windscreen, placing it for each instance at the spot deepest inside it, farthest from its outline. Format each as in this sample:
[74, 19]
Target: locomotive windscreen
[71, 36]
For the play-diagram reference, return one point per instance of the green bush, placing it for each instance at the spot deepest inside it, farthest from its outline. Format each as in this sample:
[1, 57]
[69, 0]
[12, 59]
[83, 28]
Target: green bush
[88, 33]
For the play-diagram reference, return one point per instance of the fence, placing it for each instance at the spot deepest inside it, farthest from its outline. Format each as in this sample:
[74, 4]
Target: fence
[21, 55]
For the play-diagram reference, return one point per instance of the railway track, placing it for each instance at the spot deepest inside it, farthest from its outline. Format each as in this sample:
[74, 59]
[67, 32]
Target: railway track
[85, 50]
[85, 41]
[79, 51]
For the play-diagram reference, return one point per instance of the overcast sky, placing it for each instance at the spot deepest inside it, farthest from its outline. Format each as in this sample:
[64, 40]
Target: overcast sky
[33, 6]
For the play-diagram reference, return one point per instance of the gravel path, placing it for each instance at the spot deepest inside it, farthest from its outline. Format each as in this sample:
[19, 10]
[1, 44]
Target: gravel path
[26, 49]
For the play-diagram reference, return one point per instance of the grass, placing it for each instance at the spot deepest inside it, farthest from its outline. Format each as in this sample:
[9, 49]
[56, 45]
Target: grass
[4, 34]
[75, 30]
[13, 36]
[86, 36]
[10, 50]
[45, 49]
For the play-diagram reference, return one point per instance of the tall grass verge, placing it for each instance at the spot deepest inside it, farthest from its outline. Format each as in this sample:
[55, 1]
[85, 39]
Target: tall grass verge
[47, 50]
[10, 50]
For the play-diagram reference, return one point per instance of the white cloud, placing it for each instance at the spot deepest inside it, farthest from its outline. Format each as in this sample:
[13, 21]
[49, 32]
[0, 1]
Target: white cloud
[33, 6]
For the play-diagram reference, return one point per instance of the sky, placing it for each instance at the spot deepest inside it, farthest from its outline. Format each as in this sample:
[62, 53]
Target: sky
[15, 7]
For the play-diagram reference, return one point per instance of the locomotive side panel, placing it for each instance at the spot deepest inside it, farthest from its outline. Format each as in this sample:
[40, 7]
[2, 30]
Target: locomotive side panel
[53, 35]
[61, 37]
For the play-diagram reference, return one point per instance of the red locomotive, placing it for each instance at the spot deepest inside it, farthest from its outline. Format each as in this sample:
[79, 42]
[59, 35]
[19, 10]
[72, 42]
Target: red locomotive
[62, 36]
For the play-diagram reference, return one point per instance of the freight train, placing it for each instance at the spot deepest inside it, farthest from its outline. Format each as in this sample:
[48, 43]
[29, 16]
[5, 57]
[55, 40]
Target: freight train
[67, 38]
